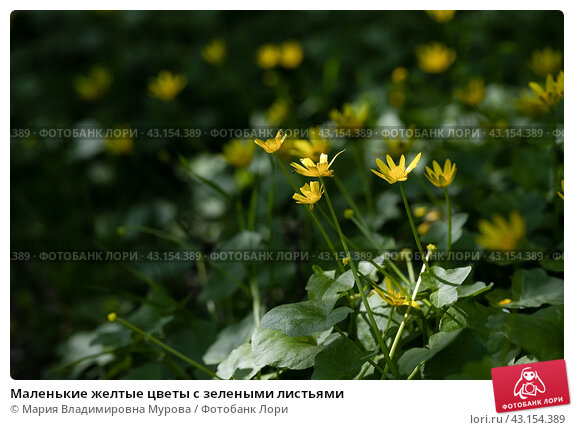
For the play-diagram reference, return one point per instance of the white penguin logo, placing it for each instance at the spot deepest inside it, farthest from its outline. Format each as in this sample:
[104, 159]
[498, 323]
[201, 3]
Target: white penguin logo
[529, 384]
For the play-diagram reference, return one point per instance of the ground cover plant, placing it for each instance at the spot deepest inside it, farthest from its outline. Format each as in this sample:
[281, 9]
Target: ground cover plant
[361, 195]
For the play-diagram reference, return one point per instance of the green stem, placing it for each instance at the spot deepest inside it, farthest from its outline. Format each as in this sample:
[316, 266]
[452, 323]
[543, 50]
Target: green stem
[167, 348]
[412, 223]
[407, 313]
[410, 269]
[372, 321]
[256, 301]
[449, 210]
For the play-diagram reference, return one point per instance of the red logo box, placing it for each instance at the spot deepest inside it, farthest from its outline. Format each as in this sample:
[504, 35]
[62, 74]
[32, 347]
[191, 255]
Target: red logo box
[529, 386]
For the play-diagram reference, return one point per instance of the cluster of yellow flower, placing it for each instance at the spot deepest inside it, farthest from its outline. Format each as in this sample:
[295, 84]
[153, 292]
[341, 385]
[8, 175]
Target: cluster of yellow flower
[288, 55]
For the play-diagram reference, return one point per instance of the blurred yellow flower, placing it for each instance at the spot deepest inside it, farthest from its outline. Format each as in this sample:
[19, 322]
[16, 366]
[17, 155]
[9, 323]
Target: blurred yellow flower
[112, 316]
[394, 173]
[311, 194]
[214, 52]
[239, 153]
[472, 93]
[424, 228]
[420, 211]
[348, 117]
[561, 194]
[441, 178]
[432, 215]
[349, 213]
[93, 85]
[121, 142]
[399, 75]
[309, 168]
[345, 261]
[546, 61]
[268, 56]
[396, 147]
[272, 145]
[277, 112]
[441, 15]
[291, 54]
[435, 57]
[166, 86]
[312, 148]
[530, 105]
[500, 234]
[393, 295]
[504, 302]
[554, 91]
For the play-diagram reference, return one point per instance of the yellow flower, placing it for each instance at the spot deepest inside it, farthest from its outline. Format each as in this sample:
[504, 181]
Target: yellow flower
[166, 86]
[277, 112]
[530, 105]
[312, 148]
[500, 234]
[424, 228]
[420, 211]
[441, 15]
[561, 194]
[345, 261]
[471, 94]
[431, 248]
[112, 317]
[504, 302]
[349, 213]
[546, 61]
[291, 54]
[309, 168]
[441, 178]
[311, 194]
[268, 56]
[349, 117]
[432, 216]
[553, 92]
[214, 52]
[393, 173]
[272, 145]
[121, 142]
[435, 57]
[399, 74]
[394, 296]
[94, 85]
[239, 153]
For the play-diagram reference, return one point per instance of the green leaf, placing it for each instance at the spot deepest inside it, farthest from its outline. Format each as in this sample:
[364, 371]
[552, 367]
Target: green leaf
[229, 339]
[239, 364]
[303, 319]
[541, 333]
[535, 288]
[414, 356]
[444, 296]
[318, 284]
[274, 348]
[472, 289]
[339, 360]
[440, 277]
